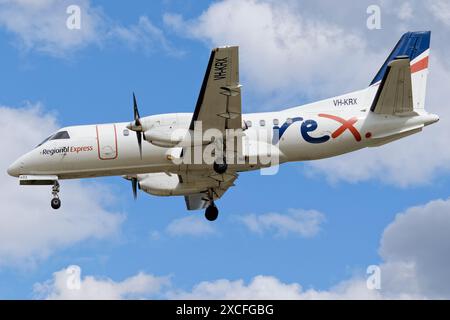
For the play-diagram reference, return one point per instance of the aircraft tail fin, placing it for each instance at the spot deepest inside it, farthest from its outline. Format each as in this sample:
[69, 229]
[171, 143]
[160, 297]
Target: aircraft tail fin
[414, 47]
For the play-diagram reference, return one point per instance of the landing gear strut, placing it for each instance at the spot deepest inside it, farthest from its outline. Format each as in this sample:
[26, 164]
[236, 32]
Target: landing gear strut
[56, 202]
[211, 212]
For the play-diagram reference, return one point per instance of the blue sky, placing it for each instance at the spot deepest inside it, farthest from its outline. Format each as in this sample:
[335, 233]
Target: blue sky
[355, 198]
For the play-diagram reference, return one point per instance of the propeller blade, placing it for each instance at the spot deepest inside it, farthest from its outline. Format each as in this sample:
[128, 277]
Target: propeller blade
[134, 185]
[139, 139]
[137, 123]
[136, 111]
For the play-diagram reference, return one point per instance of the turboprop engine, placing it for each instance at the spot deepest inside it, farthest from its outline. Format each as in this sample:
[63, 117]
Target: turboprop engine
[167, 184]
[165, 136]
[169, 137]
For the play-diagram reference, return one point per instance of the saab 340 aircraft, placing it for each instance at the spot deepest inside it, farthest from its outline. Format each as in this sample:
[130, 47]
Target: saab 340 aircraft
[193, 155]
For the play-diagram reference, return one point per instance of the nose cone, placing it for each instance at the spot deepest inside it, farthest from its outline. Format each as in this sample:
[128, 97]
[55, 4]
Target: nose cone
[14, 169]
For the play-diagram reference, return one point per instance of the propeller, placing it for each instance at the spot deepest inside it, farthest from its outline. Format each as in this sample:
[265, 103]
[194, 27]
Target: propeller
[134, 185]
[136, 125]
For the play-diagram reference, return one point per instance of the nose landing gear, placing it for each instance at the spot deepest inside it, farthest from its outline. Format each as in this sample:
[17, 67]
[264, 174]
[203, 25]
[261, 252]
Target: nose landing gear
[56, 202]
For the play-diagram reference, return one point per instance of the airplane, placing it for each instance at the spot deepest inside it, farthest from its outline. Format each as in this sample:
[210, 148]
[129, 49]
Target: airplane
[176, 154]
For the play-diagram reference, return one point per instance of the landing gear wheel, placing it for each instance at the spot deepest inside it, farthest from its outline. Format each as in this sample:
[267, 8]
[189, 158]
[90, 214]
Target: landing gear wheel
[220, 168]
[211, 213]
[56, 203]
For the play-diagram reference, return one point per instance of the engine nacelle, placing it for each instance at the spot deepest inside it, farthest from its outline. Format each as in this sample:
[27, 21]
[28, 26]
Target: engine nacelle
[168, 137]
[164, 136]
[163, 184]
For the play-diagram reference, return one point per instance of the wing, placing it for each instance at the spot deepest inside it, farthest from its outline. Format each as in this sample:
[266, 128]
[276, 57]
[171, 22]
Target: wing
[218, 107]
[394, 95]
[219, 102]
[219, 184]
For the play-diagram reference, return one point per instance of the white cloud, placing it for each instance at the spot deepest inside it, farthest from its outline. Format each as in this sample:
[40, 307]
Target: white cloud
[416, 264]
[305, 223]
[41, 25]
[190, 226]
[63, 287]
[260, 287]
[405, 11]
[440, 10]
[144, 36]
[416, 246]
[29, 229]
[67, 285]
[283, 51]
[267, 287]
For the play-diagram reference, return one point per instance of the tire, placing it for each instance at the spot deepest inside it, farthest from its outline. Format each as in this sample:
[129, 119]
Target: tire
[220, 168]
[211, 213]
[56, 203]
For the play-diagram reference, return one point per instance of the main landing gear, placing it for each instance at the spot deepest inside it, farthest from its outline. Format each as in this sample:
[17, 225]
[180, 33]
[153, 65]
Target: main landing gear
[220, 168]
[56, 202]
[211, 212]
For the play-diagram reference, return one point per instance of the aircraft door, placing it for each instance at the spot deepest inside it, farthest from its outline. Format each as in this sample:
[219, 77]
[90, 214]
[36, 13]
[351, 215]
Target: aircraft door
[107, 142]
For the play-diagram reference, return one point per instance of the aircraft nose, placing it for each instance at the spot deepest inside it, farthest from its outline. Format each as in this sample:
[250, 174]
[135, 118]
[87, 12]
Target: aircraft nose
[14, 169]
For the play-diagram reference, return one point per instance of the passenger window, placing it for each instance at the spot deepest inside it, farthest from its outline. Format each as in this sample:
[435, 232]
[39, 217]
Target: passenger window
[61, 135]
[248, 123]
[262, 123]
[126, 132]
[276, 122]
[289, 121]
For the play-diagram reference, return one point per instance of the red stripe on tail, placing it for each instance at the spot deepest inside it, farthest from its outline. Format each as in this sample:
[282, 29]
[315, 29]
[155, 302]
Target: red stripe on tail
[419, 65]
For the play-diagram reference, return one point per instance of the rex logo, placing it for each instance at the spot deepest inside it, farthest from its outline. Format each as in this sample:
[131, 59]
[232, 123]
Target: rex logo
[310, 125]
[345, 124]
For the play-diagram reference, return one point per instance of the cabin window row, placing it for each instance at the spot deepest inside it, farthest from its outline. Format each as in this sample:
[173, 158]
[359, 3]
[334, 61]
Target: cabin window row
[262, 123]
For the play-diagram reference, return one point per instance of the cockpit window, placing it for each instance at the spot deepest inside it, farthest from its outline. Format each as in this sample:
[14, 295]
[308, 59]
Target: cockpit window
[56, 136]
[60, 135]
[48, 138]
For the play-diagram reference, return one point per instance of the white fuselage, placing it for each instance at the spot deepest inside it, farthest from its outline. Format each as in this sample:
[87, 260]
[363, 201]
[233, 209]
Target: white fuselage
[319, 130]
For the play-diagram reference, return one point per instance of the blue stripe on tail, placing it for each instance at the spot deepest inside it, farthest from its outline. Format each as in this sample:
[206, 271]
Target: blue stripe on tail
[411, 44]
